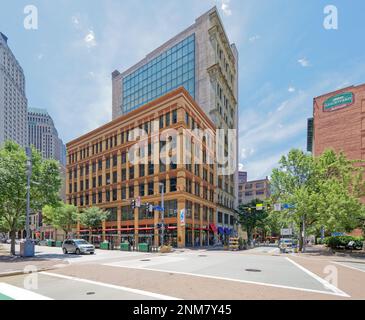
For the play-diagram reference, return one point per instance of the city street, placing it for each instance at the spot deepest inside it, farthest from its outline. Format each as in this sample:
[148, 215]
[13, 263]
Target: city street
[260, 273]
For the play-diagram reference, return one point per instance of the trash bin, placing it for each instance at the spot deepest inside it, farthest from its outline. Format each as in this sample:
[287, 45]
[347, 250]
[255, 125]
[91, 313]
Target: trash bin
[105, 245]
[125, 246]
[143, 247]
[59, 244]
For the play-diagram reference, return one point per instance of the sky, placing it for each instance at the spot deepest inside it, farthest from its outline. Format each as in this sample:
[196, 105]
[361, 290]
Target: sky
[287, 58]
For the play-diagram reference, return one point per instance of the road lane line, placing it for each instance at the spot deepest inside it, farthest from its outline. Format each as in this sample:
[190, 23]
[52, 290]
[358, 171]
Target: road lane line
[17, 293]
[325, 283]
[347, 266]
[112, 286]
[230, 279]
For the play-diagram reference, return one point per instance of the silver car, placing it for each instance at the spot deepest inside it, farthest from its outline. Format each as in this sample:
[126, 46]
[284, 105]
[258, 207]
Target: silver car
[77, 246]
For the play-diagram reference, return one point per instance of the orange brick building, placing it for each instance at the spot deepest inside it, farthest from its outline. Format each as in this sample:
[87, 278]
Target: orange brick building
[101, 172]
[339, 122]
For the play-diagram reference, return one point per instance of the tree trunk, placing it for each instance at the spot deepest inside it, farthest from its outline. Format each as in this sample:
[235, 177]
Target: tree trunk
[90, 236]
[12, 245]
[301, 240]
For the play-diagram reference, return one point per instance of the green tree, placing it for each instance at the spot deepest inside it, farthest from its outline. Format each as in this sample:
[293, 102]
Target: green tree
[251, 218]
[44, 189]
[92, 218]
[325, 191]
[63, 216]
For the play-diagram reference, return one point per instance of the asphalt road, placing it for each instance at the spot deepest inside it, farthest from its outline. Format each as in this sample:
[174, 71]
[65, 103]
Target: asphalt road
[261, 273]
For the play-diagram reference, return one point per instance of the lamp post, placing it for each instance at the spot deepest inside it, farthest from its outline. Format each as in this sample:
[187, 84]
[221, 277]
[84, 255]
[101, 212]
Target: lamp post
[162, 214]
[27, 248]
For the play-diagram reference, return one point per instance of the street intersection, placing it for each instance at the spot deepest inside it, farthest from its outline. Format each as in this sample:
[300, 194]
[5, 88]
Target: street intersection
[260, 273]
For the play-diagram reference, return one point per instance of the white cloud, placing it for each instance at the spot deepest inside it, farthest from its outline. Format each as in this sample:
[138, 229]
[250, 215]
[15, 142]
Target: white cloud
[40, 56]
[245, 153]
[241, 167]
[304, 62]
[291, 89]
[225, 6]
[254, 38]
[90, 40]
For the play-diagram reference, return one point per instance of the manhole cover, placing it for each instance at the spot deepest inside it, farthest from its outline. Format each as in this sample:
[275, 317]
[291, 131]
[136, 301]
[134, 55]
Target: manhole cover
[202, 256]
[90, 293]
[145, 260]
[252, 270]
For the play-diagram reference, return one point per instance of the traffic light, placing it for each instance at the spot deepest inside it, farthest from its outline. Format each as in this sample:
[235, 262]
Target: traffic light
[133, 204]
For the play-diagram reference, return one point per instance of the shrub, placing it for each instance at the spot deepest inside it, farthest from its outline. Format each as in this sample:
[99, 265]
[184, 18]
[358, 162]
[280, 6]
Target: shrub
[342, 241]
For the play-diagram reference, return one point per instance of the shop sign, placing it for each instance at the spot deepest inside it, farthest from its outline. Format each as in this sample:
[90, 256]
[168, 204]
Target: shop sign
[339, 101]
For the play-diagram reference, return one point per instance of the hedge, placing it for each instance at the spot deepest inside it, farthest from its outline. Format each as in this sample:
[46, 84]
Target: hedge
[343, 241]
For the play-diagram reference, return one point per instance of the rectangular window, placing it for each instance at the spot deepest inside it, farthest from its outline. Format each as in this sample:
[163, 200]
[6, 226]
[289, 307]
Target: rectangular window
[150, 188]
[124, 174]
[131, 173]
[107, 179]
[174, 116]
[173, 184]
[168, 119]
[141, 189]
[124, 193]
[142, 170]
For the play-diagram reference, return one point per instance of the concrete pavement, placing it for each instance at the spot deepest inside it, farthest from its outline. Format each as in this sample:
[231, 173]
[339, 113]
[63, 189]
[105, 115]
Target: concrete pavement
[261, 273]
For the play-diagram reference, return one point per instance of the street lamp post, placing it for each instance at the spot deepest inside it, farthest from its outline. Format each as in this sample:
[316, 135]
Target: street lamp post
[27, 248]
[162, 214]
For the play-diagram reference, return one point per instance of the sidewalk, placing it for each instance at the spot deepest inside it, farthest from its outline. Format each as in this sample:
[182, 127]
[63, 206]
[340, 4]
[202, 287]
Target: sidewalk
[14, 265]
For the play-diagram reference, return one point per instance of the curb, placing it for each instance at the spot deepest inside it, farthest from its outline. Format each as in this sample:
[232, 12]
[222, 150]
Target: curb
[20, 272]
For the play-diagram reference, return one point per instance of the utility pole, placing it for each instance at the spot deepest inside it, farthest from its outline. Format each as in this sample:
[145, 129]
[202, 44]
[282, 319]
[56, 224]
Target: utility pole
[162, 214]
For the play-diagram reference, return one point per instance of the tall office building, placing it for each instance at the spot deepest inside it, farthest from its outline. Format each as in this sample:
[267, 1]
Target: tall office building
[201, 59]
[13, 101]
[44, 136]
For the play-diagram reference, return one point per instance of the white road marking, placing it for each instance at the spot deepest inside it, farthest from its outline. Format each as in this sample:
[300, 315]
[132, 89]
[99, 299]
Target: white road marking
[19, 293]
[325, 283]
[111, 286]
[235, 280]
[347, 266]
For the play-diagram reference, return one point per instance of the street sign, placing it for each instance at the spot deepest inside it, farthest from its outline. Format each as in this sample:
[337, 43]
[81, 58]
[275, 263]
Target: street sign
[288, 206]
[277, 207]
[259, 207]
[286, 232]
[182, 217]
[158, 208]
[337, 234]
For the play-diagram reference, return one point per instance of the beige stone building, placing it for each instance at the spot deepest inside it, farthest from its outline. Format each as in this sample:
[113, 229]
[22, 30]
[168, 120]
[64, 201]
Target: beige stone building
[204, 61]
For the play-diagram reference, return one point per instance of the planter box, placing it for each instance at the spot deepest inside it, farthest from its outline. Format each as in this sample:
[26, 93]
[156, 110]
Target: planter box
[104, 246]
[125, 247]
[143, 247]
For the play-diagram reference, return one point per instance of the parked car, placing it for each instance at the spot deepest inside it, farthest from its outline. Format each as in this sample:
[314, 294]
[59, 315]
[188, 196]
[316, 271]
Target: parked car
[77, 246]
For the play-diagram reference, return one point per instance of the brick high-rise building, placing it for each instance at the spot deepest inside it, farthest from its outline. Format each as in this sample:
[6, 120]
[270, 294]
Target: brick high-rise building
[102, 170]
[203, 60]
[339, 122]
[13, 101]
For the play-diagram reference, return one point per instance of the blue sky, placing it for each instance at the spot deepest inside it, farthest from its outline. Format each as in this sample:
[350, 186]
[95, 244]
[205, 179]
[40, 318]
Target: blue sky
[287, 57]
